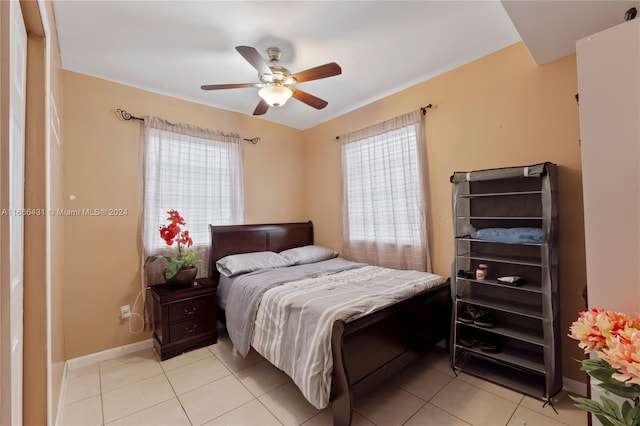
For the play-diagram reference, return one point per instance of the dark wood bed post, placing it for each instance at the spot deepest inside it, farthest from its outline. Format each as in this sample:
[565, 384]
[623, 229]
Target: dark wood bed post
[341, 396]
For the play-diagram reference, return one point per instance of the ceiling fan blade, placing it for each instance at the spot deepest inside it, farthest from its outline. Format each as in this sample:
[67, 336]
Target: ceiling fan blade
[309, 99]
[262, 107]
[322, 71]
[254, 58]
[226, 86]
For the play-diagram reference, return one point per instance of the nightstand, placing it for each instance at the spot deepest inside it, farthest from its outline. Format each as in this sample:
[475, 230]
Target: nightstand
[184, 317]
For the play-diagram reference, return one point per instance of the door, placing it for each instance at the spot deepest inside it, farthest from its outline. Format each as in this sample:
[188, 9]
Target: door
[12, 196]
[608, 69]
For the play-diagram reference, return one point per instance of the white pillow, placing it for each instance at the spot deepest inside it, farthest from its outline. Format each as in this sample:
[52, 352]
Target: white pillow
[308, 254]
[247, 262]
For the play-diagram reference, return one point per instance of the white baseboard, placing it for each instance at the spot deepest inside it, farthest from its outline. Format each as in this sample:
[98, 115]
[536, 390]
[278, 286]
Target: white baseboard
[108, 354]
[92, 359]
[574, 386]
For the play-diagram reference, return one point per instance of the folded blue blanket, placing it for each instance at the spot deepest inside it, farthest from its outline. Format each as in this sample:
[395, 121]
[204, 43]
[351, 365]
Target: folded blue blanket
[510, 235]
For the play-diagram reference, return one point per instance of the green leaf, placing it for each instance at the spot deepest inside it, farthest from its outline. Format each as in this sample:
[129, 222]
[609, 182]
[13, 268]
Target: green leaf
[173, 268]
[602, 371]
[626, 410]
[634, 416]
[608, 412]
[604, 420]
[601, 375]
[597, 362]
[610, 407]
[156, 257]
[585, 403]
[152, 259]
[620, 390]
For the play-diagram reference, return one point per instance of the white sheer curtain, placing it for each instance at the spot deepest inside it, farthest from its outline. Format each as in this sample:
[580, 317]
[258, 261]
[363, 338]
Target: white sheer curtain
[197, 172]
[384, 194]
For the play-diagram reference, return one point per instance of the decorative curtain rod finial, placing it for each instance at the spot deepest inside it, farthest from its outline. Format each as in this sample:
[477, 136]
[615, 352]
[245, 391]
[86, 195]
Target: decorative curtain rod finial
[425, 108]
[125, 116]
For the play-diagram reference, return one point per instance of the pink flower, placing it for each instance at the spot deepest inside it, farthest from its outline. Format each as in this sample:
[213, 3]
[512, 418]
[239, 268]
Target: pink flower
[623, 353]
[616, 339]
[594, 327]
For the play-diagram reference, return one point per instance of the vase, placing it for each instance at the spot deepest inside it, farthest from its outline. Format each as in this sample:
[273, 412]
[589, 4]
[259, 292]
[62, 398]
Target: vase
[183, 277]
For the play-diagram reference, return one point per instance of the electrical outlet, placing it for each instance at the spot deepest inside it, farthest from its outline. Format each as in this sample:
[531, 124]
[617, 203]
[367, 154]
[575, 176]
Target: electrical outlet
[125, 311]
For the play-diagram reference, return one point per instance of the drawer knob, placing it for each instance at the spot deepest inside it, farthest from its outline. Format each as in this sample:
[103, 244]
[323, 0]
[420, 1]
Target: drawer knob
[190, 330]
[191, 312]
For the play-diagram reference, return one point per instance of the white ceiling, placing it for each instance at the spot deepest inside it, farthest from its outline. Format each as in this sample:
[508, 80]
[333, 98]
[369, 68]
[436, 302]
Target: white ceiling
[174, 47]
[550, 29]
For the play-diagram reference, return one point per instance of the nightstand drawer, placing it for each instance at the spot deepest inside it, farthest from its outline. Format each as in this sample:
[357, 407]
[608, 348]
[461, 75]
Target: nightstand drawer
[191, 308]
[189, 328]
[184, 317]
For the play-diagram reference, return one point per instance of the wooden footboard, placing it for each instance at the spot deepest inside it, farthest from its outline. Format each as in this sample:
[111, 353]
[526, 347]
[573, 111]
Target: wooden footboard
[372, 349]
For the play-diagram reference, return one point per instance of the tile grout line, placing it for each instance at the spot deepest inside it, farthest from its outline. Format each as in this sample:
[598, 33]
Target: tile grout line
[542, 414]
[258, 398]
[171, 385]
[142, 409]
[100, 370]
[101, 398]
[232, 374]
[414, 414]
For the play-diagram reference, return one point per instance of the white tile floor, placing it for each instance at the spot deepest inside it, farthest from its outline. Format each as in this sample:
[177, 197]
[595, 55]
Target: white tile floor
[209, 386]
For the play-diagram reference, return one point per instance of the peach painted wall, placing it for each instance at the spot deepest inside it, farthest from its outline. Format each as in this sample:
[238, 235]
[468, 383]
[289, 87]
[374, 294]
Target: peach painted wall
[102, 169]
[501, 110]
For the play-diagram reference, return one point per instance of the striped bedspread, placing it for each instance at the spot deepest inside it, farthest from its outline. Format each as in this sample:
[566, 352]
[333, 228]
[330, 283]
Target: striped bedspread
[294, 320]
[247, 290]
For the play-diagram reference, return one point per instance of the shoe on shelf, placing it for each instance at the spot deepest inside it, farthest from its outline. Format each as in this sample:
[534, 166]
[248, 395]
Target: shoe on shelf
[470, 342]
[489, 345]
[484, 319]
[467, 314]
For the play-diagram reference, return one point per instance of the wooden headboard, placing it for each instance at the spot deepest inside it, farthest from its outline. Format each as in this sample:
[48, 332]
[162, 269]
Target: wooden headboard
[235, 239]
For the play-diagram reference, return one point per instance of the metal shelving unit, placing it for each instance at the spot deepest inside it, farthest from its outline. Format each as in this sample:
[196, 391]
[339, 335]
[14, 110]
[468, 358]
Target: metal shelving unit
[526, 334]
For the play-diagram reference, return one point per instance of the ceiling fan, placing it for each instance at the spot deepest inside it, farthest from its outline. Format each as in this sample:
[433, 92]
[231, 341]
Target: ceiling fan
[276, 82]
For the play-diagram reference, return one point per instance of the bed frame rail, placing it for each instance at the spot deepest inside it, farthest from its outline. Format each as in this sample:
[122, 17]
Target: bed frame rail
[372, 349]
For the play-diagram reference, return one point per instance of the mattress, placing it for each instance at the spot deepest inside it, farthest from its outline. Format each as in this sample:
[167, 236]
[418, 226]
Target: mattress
[222, 294]
[287, 314]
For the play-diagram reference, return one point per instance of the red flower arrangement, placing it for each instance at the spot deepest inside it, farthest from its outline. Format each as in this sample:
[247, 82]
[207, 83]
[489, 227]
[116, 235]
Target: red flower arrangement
[173, 233]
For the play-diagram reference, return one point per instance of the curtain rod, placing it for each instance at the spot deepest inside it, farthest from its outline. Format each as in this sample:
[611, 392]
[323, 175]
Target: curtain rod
[422, 109]
[125, 116]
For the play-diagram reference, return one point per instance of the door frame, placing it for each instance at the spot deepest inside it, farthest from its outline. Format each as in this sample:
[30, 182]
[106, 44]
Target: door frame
[12, 178]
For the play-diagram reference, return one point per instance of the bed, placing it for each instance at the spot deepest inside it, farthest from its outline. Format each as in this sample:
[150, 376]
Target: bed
[363, 352]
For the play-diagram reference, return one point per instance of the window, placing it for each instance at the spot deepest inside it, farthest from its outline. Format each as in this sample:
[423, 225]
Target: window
[195, 171]
[383, 194]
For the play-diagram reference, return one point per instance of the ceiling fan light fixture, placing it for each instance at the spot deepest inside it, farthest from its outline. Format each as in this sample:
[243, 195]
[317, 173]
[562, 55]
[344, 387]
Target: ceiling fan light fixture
[275, 95]
[276, 82]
